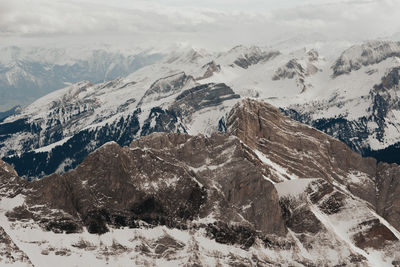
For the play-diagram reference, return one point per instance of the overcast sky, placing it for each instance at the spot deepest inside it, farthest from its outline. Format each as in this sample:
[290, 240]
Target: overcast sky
[198, 22]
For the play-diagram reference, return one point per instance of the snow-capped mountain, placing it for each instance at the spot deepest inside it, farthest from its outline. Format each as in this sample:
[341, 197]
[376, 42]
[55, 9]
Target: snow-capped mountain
[363, 109]
[254, 195]
[350, 94]
[366, 54]
[29, 73]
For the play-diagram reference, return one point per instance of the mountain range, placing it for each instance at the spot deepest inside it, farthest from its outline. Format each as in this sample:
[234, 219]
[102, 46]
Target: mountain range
[251, 156]
[29, 73]
[350, 95]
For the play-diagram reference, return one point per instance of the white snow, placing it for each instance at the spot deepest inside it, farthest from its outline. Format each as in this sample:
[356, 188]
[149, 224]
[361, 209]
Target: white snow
[52, 146]
[341, 229]
[293, 187]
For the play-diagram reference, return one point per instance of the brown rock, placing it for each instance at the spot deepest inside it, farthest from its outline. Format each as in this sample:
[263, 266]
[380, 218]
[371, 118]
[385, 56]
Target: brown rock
[374, 236]
[10, 184]
[309, 153]
[388, 195]
[167, 179]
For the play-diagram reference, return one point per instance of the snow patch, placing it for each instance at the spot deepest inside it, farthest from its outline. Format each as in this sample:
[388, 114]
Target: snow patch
[293, 187]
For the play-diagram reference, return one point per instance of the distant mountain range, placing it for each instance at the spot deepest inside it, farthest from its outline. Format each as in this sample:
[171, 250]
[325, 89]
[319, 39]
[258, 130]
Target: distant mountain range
[29, 73]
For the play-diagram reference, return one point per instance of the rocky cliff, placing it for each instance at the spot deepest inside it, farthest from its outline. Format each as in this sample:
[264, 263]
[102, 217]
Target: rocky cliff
[308, 153]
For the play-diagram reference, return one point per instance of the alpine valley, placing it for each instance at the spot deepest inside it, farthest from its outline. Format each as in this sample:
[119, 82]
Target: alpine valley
[254, 156]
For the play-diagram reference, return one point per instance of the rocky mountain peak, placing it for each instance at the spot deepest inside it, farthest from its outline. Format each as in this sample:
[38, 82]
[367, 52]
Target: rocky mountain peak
[308, 153]
[262, 126]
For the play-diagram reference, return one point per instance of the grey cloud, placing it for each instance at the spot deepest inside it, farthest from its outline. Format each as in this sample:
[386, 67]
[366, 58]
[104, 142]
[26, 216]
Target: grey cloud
[215, 22]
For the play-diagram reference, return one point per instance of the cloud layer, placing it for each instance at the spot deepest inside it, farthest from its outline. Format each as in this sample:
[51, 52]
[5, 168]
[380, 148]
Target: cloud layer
[206, 23]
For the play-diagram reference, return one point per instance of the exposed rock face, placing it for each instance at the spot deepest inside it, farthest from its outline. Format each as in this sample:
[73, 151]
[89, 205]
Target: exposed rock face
[306, 152]
[344, 108]
[324, 210]
[194, 178]
[388, 187]
[220, 164]
[10, 186]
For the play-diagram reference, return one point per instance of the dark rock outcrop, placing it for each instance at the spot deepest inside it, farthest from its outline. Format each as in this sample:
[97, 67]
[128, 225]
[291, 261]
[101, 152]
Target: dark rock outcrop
[202, 96]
